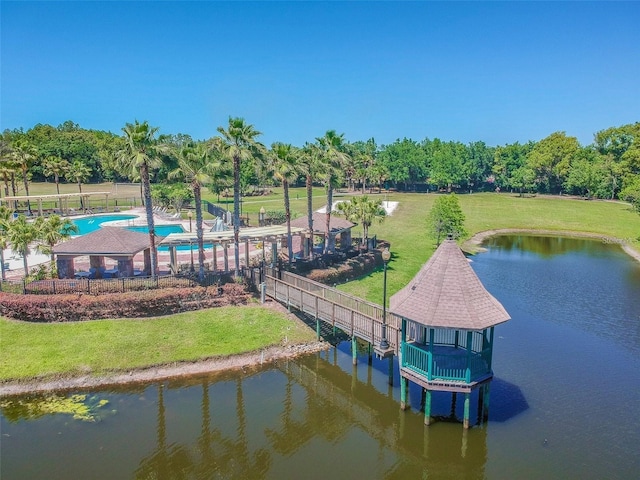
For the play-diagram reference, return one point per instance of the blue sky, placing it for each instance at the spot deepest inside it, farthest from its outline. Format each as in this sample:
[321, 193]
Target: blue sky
[497, 72]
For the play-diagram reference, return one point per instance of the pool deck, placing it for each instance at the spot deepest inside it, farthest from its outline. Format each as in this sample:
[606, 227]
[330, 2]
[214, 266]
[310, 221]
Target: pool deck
[16, 268]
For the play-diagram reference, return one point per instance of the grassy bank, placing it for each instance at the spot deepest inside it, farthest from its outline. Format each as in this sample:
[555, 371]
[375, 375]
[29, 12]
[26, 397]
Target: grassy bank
[411, 245]
[30, 350]
[37, 350]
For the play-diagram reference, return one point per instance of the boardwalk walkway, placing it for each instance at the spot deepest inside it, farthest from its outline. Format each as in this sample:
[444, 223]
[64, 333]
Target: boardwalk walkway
[354, 316]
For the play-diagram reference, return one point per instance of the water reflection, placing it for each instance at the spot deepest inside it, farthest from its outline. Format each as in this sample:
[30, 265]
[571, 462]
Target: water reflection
[564, 366]
[545, 247]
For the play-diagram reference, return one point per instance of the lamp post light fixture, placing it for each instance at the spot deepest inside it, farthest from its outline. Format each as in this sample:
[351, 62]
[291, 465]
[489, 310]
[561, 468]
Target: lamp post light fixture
[261, 217]
[190, 215]
[384, 343]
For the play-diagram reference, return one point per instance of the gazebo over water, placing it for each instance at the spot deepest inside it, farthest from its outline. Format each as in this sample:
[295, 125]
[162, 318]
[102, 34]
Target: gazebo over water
[448, 321]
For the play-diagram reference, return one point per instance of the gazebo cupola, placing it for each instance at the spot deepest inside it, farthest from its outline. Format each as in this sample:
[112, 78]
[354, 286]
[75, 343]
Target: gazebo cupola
[448, 321]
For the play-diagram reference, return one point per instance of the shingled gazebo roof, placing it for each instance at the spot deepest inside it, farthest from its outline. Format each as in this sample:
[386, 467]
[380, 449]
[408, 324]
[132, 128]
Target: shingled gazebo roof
[446, 293]
[105, 241]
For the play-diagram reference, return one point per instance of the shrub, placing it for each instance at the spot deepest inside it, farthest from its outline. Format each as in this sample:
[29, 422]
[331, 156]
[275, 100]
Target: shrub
[352, 268]
[149, 303]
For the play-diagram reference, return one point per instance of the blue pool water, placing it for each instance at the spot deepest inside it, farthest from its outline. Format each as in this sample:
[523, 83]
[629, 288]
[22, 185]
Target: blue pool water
[91, 224]
[161, 230]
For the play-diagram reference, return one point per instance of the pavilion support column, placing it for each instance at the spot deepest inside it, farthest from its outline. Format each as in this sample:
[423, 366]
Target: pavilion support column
[97, 262]
[125, 267]
[173, 262]
[226, 257]
[274, 253]
[65, 267]
[403, 393]
[427, 407]
[345, 240]
[40, 206]
[147, 261]
[354, 350]
[467, 404]
[215, 258]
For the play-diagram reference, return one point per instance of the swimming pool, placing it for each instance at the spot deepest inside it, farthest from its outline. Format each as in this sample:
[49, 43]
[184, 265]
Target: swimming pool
[161, 230]
[91, 224]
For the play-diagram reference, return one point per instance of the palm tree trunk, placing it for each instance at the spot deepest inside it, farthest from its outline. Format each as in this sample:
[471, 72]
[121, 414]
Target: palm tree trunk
[4, 274]
[309, 184]
[26, 187]
[58, 191]
[144, 177]
[13, 184]
[197, 195]
[327, 243]
[236, 212]
[81, 200]
[287, 214]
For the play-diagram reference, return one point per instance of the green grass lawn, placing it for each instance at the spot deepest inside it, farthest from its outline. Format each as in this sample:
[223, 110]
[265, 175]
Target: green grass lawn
[47, 349]
[411, 244]
[30, 350]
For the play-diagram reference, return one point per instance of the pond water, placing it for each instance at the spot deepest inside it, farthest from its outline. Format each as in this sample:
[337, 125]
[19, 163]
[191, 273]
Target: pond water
[564, 400]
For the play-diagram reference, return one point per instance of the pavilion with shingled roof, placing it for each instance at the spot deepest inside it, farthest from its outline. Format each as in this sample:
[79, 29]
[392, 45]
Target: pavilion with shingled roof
[338, 228]
[448, 321]
[106, 242]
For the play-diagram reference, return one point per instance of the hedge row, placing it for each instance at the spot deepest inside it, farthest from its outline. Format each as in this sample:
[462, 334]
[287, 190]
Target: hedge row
[150, 303]
[352, 268]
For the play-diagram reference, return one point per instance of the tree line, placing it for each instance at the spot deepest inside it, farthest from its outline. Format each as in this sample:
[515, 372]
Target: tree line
[607, 168]
[236, 160]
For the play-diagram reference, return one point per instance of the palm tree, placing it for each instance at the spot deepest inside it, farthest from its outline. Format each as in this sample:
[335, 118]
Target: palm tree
[141, 153]
[78, 172]
[195, 162]
[332, 146]
[24, 155]
[239, 145]
[7, 164]
[311, 166]
[284, 162]
[21, 234]
[363, 211]
[52, 231]
[56, 167]
[5, 220]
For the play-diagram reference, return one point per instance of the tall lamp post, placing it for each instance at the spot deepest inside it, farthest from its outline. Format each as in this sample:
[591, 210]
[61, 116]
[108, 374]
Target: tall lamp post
[261, 217]
[384, 343]
[190, 215]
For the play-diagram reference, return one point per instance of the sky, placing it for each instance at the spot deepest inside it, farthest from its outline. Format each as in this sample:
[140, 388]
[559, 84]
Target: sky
[497, 72]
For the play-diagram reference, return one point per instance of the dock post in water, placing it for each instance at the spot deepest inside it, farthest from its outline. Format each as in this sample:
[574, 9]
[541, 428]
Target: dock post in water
[427, 407]
[354, 350]
[467, 402]
[403, 393]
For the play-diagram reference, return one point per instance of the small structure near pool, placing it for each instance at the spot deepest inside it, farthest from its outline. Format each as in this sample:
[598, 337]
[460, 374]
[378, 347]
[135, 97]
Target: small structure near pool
[112, 242]
[447, 336]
